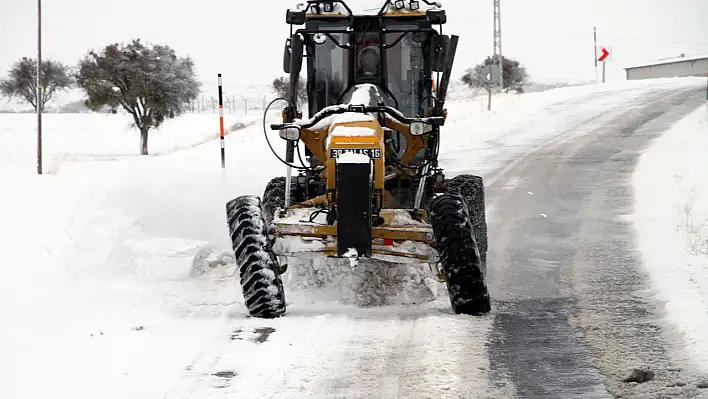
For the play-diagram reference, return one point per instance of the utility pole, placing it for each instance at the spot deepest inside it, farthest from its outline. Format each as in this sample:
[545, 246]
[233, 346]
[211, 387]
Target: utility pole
[38, 91]
[498, 58]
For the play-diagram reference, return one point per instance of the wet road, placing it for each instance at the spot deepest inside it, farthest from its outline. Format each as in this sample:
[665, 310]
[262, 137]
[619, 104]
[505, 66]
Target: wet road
[570, 318]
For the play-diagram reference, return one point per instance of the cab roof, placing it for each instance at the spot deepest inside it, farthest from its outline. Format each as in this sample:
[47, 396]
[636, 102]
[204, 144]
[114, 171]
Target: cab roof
[383, 9]
[386, 8]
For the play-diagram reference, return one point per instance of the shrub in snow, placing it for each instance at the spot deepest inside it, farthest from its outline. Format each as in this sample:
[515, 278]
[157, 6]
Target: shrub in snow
[514, 74]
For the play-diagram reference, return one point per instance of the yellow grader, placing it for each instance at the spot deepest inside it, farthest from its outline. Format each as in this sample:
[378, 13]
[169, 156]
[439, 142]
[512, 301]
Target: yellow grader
[369, 185]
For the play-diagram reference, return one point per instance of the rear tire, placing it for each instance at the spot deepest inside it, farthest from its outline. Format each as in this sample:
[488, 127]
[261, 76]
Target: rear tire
[260, 283]
[461, 261]
[471, 189]
[274, 196]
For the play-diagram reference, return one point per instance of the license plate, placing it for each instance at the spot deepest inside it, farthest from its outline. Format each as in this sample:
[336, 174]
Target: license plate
[374, 153]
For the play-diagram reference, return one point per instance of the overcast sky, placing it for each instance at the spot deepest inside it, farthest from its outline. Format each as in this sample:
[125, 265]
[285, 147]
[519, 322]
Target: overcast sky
[552, 38]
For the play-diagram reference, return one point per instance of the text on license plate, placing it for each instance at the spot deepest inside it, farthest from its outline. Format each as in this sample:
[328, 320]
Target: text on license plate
[374, 153]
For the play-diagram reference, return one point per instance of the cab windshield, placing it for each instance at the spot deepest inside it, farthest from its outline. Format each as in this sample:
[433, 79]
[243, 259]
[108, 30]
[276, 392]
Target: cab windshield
[328, 66]
[398, 68]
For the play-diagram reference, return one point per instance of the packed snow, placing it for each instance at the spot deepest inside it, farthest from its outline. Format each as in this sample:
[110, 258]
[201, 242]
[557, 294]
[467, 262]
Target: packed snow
[352, 117]
[118, 277]
[671, 220]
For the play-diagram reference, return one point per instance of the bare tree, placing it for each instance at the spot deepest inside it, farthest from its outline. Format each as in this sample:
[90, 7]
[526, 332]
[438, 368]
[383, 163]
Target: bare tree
[22, 80]
[151, 83]
[281, 86]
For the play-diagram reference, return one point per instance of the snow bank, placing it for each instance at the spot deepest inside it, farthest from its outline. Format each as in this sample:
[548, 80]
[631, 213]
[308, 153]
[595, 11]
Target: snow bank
[97, 258]
[85, 293]
[671, 221]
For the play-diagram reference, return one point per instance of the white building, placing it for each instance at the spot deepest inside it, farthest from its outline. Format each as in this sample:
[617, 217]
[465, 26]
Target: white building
[670, 68]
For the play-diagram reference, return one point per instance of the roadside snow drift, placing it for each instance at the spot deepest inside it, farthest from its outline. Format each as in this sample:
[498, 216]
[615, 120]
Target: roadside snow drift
[671, 220]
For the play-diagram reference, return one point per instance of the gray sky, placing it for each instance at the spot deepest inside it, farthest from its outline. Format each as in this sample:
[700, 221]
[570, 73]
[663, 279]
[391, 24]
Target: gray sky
[552, 38]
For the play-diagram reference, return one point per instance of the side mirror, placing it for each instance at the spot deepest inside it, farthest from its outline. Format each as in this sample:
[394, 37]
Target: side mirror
[286, 56]
[297, 45]
[439, 47]
[295, 17]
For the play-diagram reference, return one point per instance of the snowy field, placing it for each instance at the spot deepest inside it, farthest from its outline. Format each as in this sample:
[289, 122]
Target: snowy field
[96, 297]
[671, 219]
[85, 137]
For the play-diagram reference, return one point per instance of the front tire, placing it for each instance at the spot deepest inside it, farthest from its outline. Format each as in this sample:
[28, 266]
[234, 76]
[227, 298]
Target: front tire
[260, 283]
[461, 260]
[471, 189]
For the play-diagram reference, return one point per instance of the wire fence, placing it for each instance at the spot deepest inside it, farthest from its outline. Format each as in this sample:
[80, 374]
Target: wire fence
[238, 99]
[234, 104]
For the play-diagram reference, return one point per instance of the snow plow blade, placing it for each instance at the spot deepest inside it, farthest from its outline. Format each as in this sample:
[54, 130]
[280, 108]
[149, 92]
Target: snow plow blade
[398, 238]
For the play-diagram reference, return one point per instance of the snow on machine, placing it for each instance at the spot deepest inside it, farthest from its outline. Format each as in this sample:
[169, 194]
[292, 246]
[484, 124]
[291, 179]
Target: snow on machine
[370, 185]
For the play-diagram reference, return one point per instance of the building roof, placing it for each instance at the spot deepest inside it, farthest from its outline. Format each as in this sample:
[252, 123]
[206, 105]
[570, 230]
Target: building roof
[670, 61]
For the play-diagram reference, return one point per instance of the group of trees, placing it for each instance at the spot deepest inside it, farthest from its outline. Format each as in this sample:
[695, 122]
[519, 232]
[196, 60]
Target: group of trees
[151, 83]
[514, 74]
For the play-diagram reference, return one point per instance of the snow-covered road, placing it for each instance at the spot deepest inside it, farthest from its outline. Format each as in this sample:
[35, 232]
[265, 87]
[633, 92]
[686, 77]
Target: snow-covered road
[97, 286]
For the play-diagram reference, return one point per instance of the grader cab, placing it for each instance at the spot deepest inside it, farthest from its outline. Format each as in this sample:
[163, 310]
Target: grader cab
[369, 185]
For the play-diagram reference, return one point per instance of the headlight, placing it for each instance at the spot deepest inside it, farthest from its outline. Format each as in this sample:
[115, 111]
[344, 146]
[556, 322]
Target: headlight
[319, 38]
[290, 133]
[417, 128]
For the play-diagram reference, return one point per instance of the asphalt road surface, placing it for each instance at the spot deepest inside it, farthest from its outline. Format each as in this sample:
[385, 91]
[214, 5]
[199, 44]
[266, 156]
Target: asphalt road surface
[564, 272]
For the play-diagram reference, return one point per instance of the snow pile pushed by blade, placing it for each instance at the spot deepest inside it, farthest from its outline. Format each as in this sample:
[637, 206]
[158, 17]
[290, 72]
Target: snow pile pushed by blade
[369, 283]
[375, 281]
